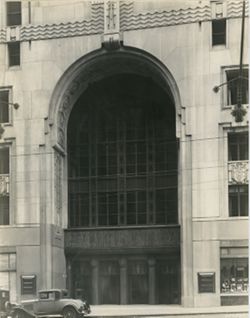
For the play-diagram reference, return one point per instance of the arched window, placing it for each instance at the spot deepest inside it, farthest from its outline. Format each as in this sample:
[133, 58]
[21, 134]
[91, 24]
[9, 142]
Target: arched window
[122, 155]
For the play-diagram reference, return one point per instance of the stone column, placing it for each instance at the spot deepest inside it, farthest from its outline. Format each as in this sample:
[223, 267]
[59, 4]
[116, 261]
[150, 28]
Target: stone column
[185, 211]
[151, 280]
[123, 282]
[95, 289]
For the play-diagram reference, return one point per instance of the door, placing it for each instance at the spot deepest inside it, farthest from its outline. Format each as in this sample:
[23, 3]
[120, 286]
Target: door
[109, 282]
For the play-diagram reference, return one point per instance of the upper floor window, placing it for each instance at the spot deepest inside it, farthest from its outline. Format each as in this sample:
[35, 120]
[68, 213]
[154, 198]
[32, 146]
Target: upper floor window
[14, 16]
[4, 106]
[237, 87]
[238, 200]
[218, 32]
[238, 146]
[14, 53]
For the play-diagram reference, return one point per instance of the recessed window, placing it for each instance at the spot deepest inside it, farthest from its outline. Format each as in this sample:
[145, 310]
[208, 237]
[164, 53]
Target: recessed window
[237, 87]
[238, 146]
[4, 186]
[14, 13]
[238, 200]
[218, 32]
[14, 53]
[4, 106]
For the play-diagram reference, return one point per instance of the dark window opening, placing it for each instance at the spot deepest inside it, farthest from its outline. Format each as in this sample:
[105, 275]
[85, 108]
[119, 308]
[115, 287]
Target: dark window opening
[238, 146]
[238, 200]
[237, 90]
[218, 31]
[4, 188]
[14, 53]
[4, 106]
[14, 16]
[122, 155]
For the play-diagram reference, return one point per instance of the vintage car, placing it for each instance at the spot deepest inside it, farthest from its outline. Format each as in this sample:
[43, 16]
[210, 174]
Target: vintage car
[53, 302]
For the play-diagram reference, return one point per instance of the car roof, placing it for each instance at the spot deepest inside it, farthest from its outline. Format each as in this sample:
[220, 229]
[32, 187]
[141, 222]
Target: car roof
[52, 290]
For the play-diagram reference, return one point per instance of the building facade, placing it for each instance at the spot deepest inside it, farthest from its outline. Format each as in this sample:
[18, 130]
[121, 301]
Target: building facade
[124, 151]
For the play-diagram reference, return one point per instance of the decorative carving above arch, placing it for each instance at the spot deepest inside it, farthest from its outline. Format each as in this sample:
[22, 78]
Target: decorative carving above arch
[98, 65]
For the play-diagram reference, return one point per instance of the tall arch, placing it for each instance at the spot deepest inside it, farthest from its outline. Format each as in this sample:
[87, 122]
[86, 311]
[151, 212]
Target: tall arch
[95, 66]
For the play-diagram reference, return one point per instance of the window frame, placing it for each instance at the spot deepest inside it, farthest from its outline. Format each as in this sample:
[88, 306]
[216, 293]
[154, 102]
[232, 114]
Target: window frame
[9, 101]
[11, 45]
[219, 34]
[239, 196]
[224, 88]
[10, 14]
[9, 195]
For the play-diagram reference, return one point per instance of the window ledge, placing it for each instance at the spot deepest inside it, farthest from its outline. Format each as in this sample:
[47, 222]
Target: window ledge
[233, 294]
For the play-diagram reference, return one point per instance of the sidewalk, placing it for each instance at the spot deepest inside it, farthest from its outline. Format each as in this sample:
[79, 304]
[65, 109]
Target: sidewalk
[167, 310]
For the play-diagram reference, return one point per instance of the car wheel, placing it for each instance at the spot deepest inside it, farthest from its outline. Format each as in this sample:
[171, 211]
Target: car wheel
[69, 313]
[18, 314]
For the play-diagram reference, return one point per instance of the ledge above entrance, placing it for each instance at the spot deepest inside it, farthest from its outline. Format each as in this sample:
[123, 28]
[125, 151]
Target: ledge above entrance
[123, 240]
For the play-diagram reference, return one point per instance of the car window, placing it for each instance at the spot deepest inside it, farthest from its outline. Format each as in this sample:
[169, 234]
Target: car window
[47, 296]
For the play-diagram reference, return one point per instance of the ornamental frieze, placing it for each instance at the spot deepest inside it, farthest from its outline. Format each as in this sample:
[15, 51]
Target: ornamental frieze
[118, 16]
[122, 238]
[238, 172]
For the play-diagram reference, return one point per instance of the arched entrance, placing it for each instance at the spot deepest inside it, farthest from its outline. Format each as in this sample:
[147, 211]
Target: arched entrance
[117, 123]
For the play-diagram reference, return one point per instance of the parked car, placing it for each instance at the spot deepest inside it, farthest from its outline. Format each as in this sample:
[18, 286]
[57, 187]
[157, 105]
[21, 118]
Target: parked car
[52, 302]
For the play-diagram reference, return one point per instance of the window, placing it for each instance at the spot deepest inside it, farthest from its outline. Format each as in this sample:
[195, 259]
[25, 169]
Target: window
[238, 200]
[237, 87]
[14, 13]
[14, 53]
[218, 31]
[122, 157]
[4, 106]
[8, 273]
[4, 186]
[234, 275]
[238, 146]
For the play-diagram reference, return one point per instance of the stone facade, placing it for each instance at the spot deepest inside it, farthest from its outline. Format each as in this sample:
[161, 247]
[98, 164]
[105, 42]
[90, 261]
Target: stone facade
[64, 47]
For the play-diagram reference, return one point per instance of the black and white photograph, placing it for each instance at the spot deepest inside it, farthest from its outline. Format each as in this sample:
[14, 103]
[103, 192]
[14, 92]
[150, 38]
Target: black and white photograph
[124, 158]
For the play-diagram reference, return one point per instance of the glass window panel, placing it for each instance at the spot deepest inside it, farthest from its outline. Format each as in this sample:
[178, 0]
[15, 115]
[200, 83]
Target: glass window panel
[14, 13]
[4, 280]
[4, 106]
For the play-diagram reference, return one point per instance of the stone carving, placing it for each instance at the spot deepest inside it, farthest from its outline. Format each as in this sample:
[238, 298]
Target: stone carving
[131, 21]
[111, 38]
[58, 186]
[238, 172]
[125, 238]
[4, 184]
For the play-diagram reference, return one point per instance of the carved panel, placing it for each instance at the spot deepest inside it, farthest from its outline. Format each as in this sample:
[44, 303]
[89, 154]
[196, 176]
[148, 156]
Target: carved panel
[238, 172]
[58, 187]
[147, 238]
[4, 184]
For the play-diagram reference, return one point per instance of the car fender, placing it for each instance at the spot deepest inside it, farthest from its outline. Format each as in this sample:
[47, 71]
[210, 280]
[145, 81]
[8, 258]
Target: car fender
[71, 306]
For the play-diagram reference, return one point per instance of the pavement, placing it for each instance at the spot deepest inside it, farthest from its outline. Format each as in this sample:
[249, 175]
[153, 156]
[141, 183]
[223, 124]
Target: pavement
[167, 310]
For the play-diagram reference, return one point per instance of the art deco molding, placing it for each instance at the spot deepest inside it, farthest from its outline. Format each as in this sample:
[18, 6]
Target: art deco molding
[4, 184]
[238, 172]
[129, 20]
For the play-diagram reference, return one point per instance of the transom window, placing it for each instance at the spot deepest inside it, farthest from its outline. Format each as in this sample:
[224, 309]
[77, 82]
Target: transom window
[122, 155]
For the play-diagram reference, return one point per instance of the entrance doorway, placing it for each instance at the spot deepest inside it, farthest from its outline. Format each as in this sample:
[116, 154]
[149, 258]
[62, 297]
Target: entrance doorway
[122, 174]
